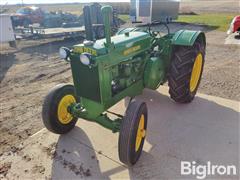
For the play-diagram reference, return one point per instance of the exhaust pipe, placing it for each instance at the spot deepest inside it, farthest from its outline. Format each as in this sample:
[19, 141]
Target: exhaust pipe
[106, 12]
[88, 23]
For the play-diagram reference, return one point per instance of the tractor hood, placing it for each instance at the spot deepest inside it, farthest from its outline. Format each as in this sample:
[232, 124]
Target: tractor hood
[128, 43]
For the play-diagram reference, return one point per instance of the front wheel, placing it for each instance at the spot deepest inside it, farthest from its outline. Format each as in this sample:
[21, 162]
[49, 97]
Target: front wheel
[132, 133]
[185, 71]
[55, 115]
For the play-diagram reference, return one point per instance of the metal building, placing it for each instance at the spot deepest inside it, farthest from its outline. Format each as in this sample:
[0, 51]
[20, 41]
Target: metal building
[146, 11]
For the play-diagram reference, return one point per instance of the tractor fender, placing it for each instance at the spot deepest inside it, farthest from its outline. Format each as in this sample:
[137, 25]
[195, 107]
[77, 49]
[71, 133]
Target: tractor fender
[187, 37]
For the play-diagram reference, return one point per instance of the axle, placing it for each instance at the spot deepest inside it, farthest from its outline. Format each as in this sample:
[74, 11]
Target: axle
[78, 111]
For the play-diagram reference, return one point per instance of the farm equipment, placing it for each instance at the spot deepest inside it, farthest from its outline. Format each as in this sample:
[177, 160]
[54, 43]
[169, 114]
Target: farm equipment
[28, 15]
[89, 25]
[108, 70]
[93, 21]
[154, 10]
[235, 25]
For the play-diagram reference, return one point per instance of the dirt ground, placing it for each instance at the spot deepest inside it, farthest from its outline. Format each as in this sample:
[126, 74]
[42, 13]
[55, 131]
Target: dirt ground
[26, 76]
[30, 71]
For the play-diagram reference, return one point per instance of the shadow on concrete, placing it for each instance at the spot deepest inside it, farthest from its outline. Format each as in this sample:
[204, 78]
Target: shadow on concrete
[201, 131]
[73, 158]
[76, 158]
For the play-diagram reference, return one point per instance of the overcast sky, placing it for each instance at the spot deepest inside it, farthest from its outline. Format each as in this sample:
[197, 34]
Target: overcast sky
[54, 1]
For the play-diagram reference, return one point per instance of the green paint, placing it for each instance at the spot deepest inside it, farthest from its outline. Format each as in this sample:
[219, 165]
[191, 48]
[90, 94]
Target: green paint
[121, 66]
[154, 73]
[186, 37]
[106, 12]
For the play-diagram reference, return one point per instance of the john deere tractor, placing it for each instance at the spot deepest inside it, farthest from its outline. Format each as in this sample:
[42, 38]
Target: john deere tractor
[108, 70]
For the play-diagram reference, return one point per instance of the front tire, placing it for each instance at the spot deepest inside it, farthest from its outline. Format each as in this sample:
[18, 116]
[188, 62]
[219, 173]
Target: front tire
[185, 71]
[55, 115]
[132, 133]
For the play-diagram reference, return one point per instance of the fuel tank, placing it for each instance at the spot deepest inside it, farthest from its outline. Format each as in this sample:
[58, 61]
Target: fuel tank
[127, 43]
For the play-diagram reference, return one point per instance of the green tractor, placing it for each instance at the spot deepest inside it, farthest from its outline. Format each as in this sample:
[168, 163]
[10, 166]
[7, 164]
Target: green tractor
[108, 70]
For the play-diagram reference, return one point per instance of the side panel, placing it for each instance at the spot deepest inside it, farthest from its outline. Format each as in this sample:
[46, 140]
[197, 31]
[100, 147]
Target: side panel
[187, 37]
[154, 73]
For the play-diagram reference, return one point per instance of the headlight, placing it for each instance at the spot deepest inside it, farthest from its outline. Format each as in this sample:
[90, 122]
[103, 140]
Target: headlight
[64, 52]
[85, 58]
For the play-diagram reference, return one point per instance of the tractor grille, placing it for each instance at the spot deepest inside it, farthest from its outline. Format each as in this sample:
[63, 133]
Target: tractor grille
[86, 81]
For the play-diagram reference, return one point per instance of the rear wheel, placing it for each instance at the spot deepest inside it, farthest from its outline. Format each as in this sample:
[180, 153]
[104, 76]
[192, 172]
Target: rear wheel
[132, 133]
[55, 113]
[185, 71]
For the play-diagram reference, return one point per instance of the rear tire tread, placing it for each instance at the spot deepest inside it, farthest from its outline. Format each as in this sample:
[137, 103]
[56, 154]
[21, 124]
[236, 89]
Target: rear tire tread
[180, 71]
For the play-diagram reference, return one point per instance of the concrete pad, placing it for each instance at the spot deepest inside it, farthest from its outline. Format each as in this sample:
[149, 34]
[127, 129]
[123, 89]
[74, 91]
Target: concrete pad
[205, 130]
[233, 39]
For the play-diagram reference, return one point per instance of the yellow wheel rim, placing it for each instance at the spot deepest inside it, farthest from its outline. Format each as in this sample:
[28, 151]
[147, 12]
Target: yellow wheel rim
[63, 115]
[141, 132]
[196, 72]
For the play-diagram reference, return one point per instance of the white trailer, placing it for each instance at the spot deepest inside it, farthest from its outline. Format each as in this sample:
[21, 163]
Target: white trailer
[147, 11]
[6, 30]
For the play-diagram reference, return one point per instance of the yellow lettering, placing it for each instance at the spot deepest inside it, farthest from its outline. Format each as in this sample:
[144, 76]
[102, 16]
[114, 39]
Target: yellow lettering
[85, 49]
[131, 50]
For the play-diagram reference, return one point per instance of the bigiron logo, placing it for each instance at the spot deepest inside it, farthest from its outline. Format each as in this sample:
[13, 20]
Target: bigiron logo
[202, 171]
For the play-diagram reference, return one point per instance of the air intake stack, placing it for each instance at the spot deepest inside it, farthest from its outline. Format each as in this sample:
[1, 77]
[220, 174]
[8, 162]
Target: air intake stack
[106, 12]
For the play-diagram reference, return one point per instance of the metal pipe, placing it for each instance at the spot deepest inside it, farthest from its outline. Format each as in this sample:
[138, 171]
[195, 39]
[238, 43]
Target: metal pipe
[106, 12]
[88, 23]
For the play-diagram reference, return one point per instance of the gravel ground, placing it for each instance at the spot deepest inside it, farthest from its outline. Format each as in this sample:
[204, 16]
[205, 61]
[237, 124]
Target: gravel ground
[26, 76]
[221, 75]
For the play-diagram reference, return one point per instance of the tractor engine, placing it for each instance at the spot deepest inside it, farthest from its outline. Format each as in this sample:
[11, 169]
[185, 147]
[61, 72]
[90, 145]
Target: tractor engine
[106, 70]
[125, 74]
[103, 71]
